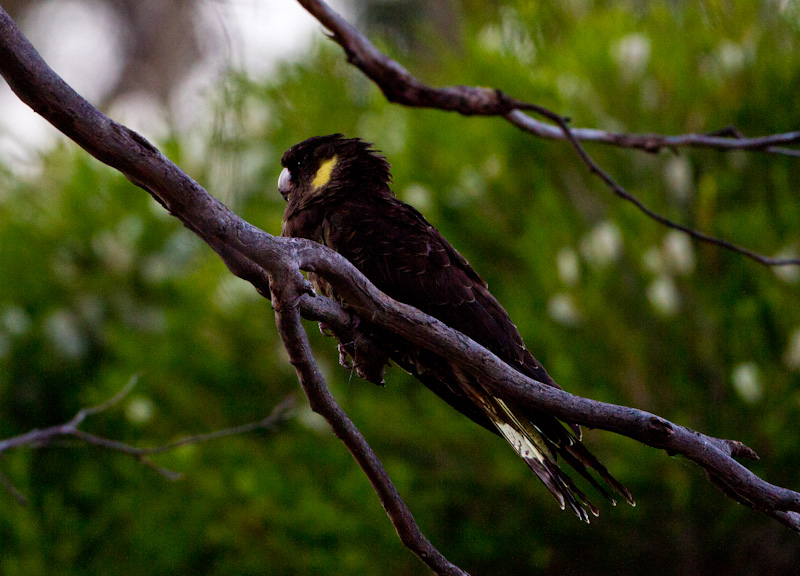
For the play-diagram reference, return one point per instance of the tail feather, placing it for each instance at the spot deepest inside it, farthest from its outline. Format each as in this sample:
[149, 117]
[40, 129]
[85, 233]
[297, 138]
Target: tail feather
[586, 459]
[539, 450]
[558, 483]
[532, 447]
[580, 467]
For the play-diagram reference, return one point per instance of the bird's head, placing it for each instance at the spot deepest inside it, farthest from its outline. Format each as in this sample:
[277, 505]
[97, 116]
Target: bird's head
[326, 166]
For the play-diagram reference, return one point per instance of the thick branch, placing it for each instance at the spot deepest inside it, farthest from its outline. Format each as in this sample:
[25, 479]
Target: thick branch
[400, 86]
[247, 251]
[714, 455]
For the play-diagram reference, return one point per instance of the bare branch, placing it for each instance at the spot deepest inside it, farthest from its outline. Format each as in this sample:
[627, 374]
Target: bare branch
[727, 139]
[111, 402]
[247, 251]
[45, 436]
[287, 319]
[595, 168]
[714, 455]
[400, 86]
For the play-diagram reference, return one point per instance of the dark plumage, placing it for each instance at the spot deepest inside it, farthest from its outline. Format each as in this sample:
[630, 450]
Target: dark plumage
[338, 194]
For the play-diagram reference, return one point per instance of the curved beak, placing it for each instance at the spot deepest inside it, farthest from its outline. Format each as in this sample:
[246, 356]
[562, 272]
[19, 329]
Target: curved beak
[284, 183]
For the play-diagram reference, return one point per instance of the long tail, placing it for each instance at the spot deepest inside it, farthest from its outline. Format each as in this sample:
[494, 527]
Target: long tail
[538, 445]
[538, 438]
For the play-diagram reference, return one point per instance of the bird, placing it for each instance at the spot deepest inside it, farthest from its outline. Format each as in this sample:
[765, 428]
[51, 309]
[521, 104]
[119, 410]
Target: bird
[338, 194]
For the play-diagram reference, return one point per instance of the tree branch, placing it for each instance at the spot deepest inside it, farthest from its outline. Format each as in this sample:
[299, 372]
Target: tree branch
[264, 260]
[274, 263]
[595, 169]
[287, 319]
[401, 87]
[71, 429]
[726, 139]
[714, 455]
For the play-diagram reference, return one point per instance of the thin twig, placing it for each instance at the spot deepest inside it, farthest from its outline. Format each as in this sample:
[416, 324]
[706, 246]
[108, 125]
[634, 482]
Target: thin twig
[595, 168]
[45, 436]
[113, 401]
[11, 489]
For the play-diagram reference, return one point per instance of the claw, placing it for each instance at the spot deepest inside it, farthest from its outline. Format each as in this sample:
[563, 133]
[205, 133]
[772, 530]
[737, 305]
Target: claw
[344, 358]
[324, 329]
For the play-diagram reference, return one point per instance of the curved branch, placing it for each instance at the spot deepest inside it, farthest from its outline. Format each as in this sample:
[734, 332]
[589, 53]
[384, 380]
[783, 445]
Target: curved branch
[400, 86]
[71, 429]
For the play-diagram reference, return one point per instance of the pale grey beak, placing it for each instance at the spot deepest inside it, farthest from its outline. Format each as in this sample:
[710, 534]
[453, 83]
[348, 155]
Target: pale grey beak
[284, 183]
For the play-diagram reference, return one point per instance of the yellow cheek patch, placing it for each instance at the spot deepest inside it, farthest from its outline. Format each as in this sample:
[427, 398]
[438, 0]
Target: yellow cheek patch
[323, 175]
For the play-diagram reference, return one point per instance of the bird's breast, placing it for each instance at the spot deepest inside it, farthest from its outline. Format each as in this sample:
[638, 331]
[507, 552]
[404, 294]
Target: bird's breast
[303, 224]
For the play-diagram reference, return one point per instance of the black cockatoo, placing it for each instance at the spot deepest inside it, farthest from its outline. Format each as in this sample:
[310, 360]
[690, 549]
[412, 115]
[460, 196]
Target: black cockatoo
[338, 194]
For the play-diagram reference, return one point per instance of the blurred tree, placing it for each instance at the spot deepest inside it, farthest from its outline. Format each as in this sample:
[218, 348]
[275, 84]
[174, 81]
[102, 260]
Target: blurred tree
[161, 40]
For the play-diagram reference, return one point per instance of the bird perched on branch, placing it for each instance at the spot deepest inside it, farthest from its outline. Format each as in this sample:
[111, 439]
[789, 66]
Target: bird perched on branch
[338, 195]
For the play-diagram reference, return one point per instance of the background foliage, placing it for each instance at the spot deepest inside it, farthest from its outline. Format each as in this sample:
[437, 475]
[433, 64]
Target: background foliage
[99, 284]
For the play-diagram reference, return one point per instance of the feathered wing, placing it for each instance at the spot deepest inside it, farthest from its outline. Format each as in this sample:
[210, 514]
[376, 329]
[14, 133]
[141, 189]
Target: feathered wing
[408, 259]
